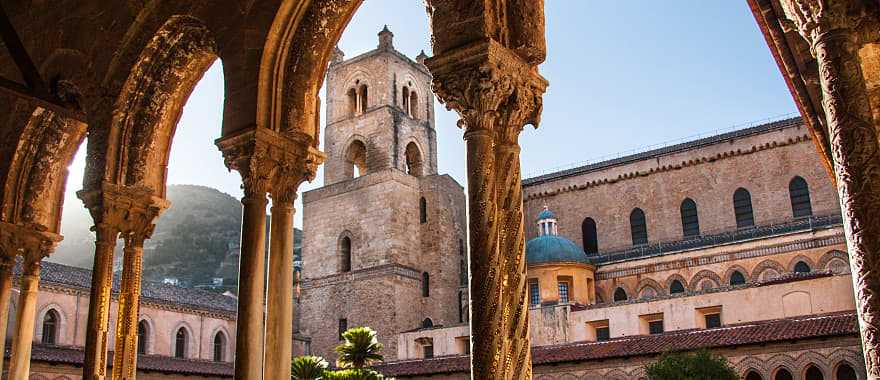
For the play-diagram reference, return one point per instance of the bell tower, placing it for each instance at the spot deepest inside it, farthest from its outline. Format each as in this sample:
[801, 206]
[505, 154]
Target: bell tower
[380, 114]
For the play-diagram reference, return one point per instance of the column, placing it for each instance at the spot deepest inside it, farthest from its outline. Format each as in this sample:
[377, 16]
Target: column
[95, 363]
[23, 335]
[251, 267]
[6, 264]
[496, 92]
[125, 351]
[279, 299]
[831, 31]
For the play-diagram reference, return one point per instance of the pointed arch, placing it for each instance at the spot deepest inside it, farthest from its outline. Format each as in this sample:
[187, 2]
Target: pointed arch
[355, 159]
[415, 164]
[589, 236]
[704, 280]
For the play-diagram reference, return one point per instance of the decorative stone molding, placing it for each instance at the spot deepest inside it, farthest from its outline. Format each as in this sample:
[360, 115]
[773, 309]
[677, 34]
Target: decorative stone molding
[30, 241]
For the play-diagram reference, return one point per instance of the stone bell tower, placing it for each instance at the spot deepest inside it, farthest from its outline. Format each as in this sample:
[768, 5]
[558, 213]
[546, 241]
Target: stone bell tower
[384, 238]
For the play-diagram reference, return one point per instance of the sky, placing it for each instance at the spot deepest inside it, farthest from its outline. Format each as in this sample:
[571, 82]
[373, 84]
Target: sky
[624, 76]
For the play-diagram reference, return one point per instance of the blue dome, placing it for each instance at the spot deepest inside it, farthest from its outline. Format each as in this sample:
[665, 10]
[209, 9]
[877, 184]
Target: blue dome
[546, 214]
[553, 249]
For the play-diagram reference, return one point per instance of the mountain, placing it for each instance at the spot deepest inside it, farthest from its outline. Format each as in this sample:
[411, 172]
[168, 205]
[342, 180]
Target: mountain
[196, 240]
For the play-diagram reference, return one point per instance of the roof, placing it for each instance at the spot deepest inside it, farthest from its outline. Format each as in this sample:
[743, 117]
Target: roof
[79, 278]
[546, 214]
[694, 144]
[762, 332]
[553, 249]
[153, 363]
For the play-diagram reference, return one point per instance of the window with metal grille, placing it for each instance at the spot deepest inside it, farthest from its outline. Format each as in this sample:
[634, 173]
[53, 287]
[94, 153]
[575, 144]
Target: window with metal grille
[737, 278]
[620, 295]
[563, 292]
[343, 327]
[676, 287]
[690, 223]
[655, 327]
[638, 227]
[799, 193]
[50, 327]
[742, 208]
[534, 293]
[713, 320]
[588, 232]
[603, 334]
[801, 267]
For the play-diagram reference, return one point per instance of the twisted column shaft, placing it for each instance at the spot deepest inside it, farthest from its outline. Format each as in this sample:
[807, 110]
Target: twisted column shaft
[125, 351]
[95, 363]
[23, 335]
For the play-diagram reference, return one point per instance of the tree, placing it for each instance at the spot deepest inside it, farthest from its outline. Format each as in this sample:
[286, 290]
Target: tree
[308, 368]
[701, 365]
[361, 348]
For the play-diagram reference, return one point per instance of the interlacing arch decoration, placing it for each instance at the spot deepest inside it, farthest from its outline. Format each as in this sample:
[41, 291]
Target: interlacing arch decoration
[649, 288]
[771, 267]
[751, 363]
[801, 258]
[673, 277]
[836, 261]
[851, 357]
[735, 268]
[705, 279]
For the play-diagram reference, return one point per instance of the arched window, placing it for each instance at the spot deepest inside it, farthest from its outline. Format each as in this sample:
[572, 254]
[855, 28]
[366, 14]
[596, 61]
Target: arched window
[427, 323]
[588, 232]
[362, 98]
[783, 374]
[737, 278]
[414, 162]
[345, 254]
[426, 284]
[143, 337]
[752, 375]
[180, 343]
[813, 373]
[423, 210]
[356, 159]
[219, 346]
[799, 193]
[352, 102]
[413, 105]
[801, 267]
[620, 295]
[690, 223]
[845, 372]
[50, 327]
[638, 226]
[742, 208]
[676, 287]
[405, 99]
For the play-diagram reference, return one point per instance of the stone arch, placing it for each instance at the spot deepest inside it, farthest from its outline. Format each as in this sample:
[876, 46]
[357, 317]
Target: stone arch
[705, 278]
[626, 290]
[835, 260]
[778, 361]
[345, 247]
[227, 352]
[735, 268]
[616, 374]
[853, 358]
[149, 343]
[812, 358]
[751, 363]
[805, 259]
[648, 288]
[673, 277]
[415, 163]
[767, 270]
[61, 327]
[190, 349]
[355, 158]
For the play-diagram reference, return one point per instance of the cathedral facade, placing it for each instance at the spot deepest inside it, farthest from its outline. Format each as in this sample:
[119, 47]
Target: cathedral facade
[384, 237]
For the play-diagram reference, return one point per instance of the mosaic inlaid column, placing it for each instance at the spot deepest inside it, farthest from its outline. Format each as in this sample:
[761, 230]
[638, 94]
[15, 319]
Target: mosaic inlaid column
[95, 362]
[125, 351]
[496, 92]
[836, 32]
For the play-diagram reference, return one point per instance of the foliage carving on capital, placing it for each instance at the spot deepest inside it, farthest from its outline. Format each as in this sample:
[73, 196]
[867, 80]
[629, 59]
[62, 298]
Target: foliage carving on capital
[815, 19]
[27, 239]
[129, 210]
[491, 87]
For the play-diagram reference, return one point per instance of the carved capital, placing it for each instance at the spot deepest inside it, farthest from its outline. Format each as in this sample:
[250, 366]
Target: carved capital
[491, 87]
[127, 210]
[271, 162]
[818, 19]
[31, 241]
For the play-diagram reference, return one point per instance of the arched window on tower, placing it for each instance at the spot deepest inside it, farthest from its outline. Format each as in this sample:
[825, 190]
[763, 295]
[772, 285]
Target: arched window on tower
[588, 232]
[620, 295]
[219, 346]
[50, 327]
[426, 284]
[356, 159]
[676, 287]
[801, 267]
[737, 278]
[352, 102]
[362, 98]
[143, 337]
[799, 193]
[345, 254]
[423, 210]
[742, 208]
[690, 222]
[638, 227]
[180, 343]
[414, 162]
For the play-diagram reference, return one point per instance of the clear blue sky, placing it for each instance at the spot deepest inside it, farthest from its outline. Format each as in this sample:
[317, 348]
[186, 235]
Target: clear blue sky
[623, 75]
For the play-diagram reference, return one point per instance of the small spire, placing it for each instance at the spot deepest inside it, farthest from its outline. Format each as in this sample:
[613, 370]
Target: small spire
[386, 39]
[421, 57]
[337, 56]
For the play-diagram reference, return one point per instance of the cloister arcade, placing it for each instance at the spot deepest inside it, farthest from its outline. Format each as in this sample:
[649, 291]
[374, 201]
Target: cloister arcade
[121, 71]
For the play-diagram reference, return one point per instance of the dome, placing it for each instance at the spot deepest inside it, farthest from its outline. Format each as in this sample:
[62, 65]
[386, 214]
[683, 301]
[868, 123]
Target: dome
[553, 249]
[546, 214]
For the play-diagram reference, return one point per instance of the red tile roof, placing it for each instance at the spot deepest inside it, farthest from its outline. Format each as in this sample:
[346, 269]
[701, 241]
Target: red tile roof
[787, 329]
[151, 363]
